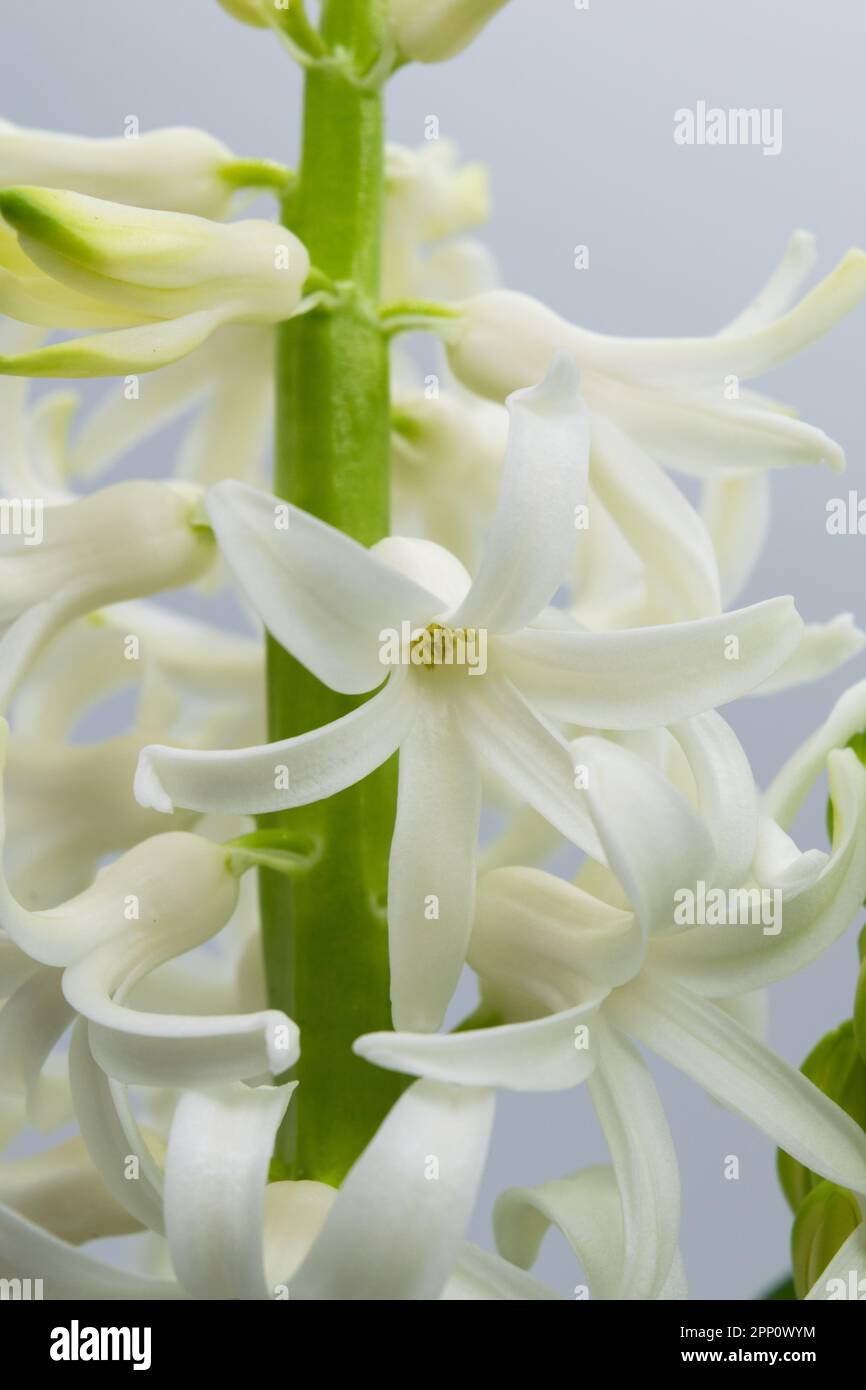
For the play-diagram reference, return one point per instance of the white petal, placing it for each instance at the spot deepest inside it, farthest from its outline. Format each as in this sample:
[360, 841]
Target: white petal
[60, 1190]
[780, 290]
[585, 1207]
[432, 859]
[172, 878]
[507, 340]
[681, 573]
[655, 675]
[28, 1252]
[736, 512]
[653, 839]
[824, 647]
[112, 1135]
[645, 1163]
[746, 353]
[704, 434]
[116, 424]
[216, 1171]
[789, 788]
[814, 904]
[726, 793]
[552, 1053]
[253, 780]
[533, 530]
[125, 541]
[708, 1045]
[324, 597]
[121, 352]
[530, 757]
[536, 931]
[154, 1049]
[393, 1233]
[32, 1022]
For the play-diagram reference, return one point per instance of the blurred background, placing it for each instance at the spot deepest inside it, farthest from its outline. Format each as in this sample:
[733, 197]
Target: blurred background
[573, 110]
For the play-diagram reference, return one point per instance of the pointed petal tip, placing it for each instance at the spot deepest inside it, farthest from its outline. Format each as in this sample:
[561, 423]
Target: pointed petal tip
[559, 387]
[147, 788]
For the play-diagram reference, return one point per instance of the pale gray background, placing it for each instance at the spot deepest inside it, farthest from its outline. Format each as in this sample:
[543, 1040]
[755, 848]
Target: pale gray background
[573, 110]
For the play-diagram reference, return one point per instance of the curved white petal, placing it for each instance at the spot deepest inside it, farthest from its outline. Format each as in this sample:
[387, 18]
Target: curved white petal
[727, 796]
[121, 351]
[780, 289]
[537, 931]
[216, 1170]
[704, 434]
[586, 1208]
[396, 1228]
[125, 541]
[324, 597]
[815, 902]
[60, 1191]
[116, 424]
[707, 1044]
[28, 1252]
[680, 569]
[635, 678]
[745, 353]
[736, 512]
[167, 879]
[530, 757]
[32, 1022]
[789, 788]
[431, 880]
[292, 772]
[114, 1141]
[645, 1164]
[154, 1049]
[654, 840]
[534, 526]
[551, 1053]
[824, 647]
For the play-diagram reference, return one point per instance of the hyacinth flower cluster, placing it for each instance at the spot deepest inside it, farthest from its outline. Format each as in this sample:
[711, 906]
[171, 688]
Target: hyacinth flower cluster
[231, 935]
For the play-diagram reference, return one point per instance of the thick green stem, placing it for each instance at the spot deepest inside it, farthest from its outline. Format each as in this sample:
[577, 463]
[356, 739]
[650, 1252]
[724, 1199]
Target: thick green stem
[324, 930]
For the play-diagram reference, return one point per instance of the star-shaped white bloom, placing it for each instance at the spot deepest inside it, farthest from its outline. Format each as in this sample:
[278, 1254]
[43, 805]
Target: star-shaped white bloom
[331, 603]
[575, 971]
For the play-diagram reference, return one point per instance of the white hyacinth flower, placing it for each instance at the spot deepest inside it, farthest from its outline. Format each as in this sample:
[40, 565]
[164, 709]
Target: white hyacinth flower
[572, 971]
[681, 403]
[352, 616]
[162, 281]
[176, 169]
[228, 383]
[389, 1233]
[124, 542]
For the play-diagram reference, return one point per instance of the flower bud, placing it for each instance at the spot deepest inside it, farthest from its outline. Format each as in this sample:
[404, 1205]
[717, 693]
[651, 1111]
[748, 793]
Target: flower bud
[836, 1068]
[169, 280]
[827, 1217]
[429, 31]
[178, 169]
